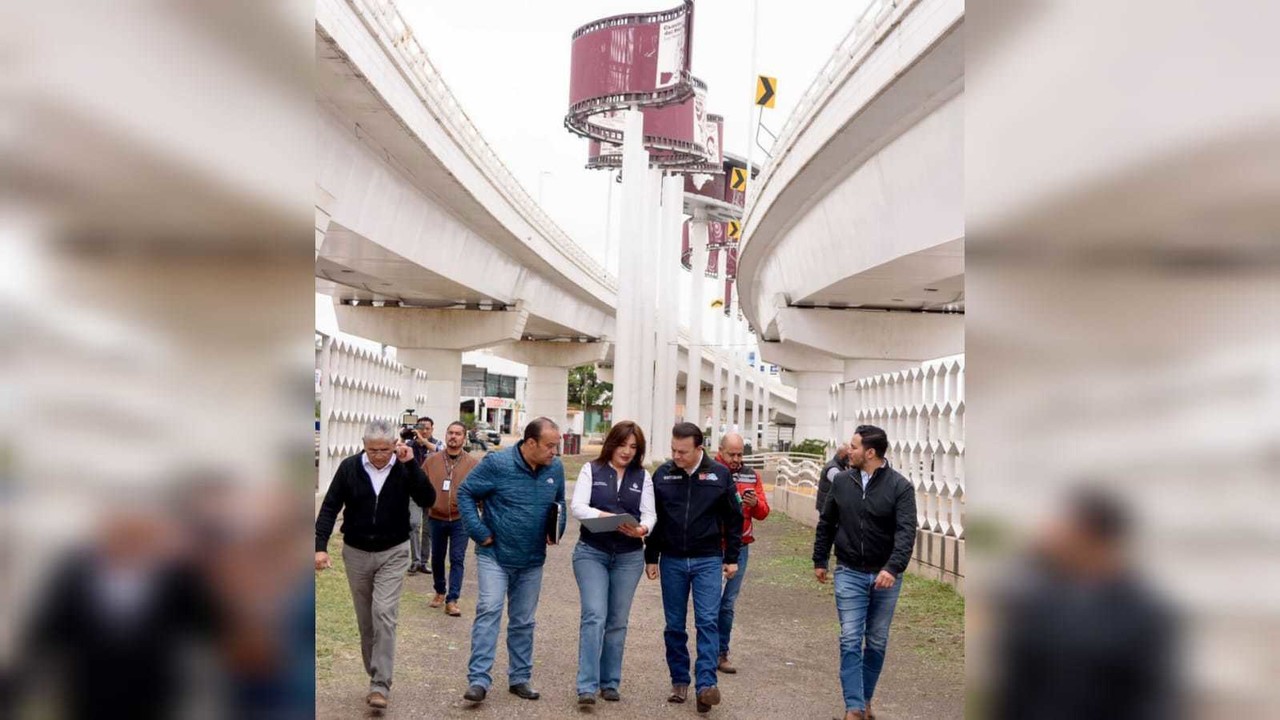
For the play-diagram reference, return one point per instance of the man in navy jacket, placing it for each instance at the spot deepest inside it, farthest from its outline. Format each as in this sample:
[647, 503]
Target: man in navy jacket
[694, 544]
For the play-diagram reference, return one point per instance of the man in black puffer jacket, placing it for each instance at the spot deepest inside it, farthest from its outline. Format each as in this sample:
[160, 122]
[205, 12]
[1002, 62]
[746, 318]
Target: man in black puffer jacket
[870, 517]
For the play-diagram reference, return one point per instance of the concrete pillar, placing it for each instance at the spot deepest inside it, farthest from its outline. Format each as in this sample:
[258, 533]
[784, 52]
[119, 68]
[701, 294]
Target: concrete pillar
[647, 298]
[697, 308]
[717, 384]
[547, 387]
[444, 381]
[433, 341]
[667, 354]
[548, 393]
[767, 401]
[812, 390]
[756, 399]
[626, 369]
[731, 378]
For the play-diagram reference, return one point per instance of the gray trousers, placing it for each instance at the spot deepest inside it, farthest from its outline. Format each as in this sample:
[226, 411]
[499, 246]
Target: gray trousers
[376, 580]
[419, 541]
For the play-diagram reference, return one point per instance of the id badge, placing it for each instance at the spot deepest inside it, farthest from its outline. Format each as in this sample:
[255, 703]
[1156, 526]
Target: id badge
[446, 485]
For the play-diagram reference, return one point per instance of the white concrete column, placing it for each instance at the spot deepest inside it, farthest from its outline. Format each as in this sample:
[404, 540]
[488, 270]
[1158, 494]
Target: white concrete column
[756, 399]
[697, 308]
[547, 386]
[444, 380]
[744, 389]
[631, 238]
[547, 393]
[668, 254]
[764, 429]
[717, 381]
[732, 375]
[812, 390]
[648, 297]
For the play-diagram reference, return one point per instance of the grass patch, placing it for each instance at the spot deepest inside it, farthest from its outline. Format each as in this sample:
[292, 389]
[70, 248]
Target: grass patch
[790, 560]
[933, 613]
[335, 615]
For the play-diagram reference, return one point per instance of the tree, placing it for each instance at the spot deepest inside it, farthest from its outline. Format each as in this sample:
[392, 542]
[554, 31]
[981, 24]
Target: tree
[587, 391]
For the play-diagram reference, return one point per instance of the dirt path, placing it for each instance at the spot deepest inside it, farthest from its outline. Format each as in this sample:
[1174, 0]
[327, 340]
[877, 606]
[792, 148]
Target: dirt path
[785, 647]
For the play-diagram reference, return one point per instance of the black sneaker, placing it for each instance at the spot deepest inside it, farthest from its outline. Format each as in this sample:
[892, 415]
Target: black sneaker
[610, 694]
[475, 693]
[586, 699]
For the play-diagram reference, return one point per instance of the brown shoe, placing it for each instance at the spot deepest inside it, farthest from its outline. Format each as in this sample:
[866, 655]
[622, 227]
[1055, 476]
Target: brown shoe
[452, 609]
[376, 700]
[679, 693]
[436, 601]
[871, 714]
[855, 715]
[707, 698]
[725, 667]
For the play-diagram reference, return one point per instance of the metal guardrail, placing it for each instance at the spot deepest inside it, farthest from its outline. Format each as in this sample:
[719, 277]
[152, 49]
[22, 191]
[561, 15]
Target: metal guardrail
[847, 55]
[391, 30]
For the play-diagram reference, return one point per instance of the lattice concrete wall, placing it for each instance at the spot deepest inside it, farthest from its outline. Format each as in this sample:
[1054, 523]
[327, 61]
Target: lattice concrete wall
[358, 385]
[922, 411]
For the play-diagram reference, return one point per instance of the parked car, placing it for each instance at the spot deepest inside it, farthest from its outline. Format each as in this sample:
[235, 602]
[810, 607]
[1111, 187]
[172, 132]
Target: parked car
[483, 435]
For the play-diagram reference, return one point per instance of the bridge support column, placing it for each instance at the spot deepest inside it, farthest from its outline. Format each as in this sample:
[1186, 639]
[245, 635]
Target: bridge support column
[547, 394]
[757, 397]
[697, 279]
[766, 397]
[629, 335]
[433, 341]
[812, 390]
[444, 381]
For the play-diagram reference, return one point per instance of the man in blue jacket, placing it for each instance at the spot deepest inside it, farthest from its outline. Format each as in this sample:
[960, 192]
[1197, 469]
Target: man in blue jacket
[695, 542]
[517, 489]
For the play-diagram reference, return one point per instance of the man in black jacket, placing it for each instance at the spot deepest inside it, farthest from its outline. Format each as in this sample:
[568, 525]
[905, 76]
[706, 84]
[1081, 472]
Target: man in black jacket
[695, 542]
[870, 516]
[375, 491]
[838, 464]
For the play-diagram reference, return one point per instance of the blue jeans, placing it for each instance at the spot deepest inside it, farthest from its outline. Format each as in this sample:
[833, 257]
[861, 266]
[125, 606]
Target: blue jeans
[520, 589]
[730, 596]
[451, 536]
[865, 614]
[701, 576]
[606, 584]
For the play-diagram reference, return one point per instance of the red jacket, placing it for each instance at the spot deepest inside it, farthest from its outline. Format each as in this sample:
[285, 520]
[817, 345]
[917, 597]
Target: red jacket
[745, 478]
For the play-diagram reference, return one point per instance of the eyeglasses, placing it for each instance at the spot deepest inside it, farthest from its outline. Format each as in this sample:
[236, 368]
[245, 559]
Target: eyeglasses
[372, 451]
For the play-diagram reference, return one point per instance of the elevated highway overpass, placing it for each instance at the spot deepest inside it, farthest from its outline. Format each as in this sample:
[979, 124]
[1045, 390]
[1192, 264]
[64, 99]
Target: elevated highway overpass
[426, 242]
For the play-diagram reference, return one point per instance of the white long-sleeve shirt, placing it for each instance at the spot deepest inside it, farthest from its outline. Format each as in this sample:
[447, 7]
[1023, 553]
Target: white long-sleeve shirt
[581, 504]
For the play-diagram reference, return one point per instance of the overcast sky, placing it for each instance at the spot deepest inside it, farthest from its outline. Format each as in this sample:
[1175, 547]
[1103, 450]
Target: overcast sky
[508, 64]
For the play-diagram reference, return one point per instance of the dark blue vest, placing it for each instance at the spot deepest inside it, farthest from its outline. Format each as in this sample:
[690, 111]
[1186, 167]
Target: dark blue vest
[610, 495]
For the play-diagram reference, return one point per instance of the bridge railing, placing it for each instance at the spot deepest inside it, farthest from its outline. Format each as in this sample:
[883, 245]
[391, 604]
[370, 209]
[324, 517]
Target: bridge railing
[848, 55]
[396, 36]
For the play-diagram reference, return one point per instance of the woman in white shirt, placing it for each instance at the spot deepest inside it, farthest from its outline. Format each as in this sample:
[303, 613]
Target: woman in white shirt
[608, 565]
